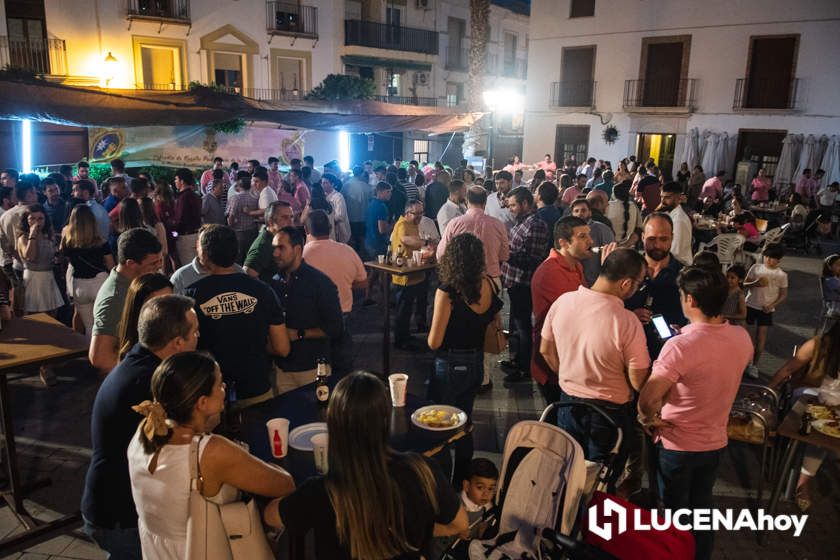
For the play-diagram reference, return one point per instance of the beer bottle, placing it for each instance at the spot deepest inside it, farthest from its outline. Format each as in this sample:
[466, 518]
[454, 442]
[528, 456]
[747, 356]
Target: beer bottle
[322, 390]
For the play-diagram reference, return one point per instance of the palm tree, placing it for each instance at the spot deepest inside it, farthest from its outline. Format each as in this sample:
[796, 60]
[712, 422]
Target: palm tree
[479, 24]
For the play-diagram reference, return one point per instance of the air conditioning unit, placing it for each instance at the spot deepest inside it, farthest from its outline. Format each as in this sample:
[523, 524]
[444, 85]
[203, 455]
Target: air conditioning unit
[424, 4]
[421, 78]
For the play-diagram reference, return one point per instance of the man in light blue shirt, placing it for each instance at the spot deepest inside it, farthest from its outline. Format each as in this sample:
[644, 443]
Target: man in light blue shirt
[85, 191]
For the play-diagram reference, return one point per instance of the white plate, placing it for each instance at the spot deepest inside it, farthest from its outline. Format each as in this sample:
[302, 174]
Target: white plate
[301, 437]
[819, 425]
[462, 417]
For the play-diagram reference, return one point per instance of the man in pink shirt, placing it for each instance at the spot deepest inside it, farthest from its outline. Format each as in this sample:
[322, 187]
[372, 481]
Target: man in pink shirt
[570, 194]
[337, 260]
[207, 176]
[598, 349]
[713, 187]
[806, 187]
[489, 230]
[275, 178]
[686, 402]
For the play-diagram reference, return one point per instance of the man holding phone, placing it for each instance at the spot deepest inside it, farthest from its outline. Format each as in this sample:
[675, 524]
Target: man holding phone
[658, 296]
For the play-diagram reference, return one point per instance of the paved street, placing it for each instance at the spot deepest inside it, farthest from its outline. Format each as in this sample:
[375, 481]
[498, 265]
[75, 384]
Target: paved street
[53, 436]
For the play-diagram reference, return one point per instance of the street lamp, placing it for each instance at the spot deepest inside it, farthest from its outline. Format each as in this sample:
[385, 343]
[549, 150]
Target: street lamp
[109, 68]
[504, 102]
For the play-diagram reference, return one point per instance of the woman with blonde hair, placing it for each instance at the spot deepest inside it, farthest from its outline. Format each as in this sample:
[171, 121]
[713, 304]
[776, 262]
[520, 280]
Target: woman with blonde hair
[90, 262]
[374, 503]
[188, 397]
[142, 289]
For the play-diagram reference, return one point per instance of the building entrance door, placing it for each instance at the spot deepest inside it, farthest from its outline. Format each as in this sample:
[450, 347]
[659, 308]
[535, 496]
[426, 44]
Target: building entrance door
[659, 147]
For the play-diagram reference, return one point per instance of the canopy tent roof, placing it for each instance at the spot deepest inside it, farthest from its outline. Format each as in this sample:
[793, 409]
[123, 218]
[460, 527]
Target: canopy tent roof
[44, 101]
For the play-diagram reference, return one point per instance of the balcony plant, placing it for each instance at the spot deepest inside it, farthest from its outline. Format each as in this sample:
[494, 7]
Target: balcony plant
[339, 87]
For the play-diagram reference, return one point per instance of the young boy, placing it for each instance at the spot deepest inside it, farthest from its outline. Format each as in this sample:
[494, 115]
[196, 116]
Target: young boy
[477, 498]
[768, 287]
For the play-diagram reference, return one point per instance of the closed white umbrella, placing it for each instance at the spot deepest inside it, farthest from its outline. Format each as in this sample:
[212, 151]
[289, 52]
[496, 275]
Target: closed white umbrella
[709, 150]
[805, 158]
[786, 165]
[831, 161]
[720, 152]
[820, 147]
[691, 148]
[731, 148]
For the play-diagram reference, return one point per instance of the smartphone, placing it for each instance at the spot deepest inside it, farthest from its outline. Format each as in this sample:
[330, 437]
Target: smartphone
[662, 328]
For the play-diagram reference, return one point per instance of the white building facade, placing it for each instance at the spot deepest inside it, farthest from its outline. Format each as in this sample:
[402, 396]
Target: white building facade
[743, 74]
[415, 51]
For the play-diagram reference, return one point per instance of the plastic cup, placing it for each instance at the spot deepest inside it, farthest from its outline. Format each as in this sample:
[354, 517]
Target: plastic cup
[380, 259]
[417, 256]
[320, 443]
[278, 436]
[398, 383]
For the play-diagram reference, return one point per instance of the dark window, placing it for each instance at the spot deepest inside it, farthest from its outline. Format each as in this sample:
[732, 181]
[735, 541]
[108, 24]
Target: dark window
[575, 88]
[582, 8]
[762, 147]
[571, 140]
[662, 74]
[770, 78]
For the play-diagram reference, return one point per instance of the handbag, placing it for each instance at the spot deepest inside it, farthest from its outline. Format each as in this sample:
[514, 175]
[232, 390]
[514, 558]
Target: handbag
[231, 531]
[495, 340]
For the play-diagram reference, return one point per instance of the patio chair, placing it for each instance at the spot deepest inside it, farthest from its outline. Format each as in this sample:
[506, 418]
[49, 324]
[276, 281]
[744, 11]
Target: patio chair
[726, 244]
[775, 235]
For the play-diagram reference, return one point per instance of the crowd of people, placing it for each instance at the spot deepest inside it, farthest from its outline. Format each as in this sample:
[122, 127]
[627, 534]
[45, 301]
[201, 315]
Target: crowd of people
[226, 291]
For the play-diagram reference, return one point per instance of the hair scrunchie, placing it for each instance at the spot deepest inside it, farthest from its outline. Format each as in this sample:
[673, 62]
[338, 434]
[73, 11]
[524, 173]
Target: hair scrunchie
[154, 423]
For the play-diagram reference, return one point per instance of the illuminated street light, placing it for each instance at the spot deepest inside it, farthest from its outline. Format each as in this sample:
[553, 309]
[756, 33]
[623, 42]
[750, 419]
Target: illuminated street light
[109, 68]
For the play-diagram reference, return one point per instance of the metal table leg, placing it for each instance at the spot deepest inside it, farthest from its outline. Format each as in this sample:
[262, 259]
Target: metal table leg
[386, 331]
[790, 453]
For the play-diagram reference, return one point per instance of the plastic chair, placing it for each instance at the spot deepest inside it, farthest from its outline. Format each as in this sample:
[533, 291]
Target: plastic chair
[775, 235]
[727, 245]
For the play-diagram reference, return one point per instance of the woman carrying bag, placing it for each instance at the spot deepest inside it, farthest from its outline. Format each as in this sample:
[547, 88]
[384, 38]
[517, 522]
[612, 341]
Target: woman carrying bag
[466, 303]
[188, 399]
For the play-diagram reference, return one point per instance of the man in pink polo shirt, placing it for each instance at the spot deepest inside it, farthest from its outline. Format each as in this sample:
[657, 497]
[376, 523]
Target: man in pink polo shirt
[686, 402]
[598, 347]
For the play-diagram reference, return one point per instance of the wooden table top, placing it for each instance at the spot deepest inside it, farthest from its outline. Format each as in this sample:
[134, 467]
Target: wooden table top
[791, 423]
[38, 338]
[399, 270]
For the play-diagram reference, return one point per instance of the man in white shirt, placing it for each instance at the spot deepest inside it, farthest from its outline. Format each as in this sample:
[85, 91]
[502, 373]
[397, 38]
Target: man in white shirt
[259, 188]
[329, 182]
[497, 202]
[681, 244]
[454, 206]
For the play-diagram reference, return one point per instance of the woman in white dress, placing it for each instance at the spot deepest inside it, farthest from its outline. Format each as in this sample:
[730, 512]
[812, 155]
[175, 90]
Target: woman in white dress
[37, 251]
[189, 397]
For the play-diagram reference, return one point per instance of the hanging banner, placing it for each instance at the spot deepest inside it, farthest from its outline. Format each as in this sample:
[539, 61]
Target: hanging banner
[193, 146]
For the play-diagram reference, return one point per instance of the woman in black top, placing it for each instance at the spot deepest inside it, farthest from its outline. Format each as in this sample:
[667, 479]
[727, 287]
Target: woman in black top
[90, 259]
[465, 303]
[373, 503]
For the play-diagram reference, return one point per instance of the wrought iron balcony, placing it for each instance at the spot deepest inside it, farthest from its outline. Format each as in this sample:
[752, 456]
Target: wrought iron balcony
[515, 68]
[41, 56]
[391, 37]
[648, 94]
[766, 94]
[172, 11]
[457, 58]
[573, 93]
[406, 100]
[290, 18]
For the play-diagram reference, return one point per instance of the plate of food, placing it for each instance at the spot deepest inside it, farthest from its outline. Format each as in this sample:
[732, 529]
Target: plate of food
[828, 427]
[439, 417]
[821, 412]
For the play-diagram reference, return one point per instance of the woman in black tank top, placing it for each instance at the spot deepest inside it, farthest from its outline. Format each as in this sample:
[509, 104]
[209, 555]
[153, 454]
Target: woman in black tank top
[465, 303]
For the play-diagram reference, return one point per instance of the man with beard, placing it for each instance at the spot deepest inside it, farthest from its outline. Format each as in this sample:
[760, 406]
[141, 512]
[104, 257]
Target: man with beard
[561, 272]
[601, 235]
[658, 294]
[681, 244]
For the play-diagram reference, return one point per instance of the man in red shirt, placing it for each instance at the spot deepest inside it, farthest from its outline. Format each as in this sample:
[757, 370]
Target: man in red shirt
[561, 272]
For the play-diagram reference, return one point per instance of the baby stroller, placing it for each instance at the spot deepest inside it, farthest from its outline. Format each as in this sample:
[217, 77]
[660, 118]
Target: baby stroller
[544, 487]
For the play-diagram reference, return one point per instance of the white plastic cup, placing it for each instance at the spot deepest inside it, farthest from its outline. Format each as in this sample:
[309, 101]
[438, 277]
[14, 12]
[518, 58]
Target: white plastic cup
[380, 259]
[278, 436]
[320, 444]
[398, 383]
[418, 257]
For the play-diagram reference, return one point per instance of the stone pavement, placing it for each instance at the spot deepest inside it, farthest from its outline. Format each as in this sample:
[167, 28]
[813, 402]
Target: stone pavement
[52, 427]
